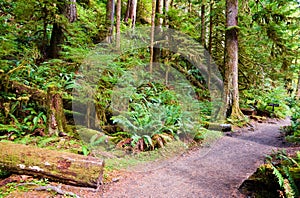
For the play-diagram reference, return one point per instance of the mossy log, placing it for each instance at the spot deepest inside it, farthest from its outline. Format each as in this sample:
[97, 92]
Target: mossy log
[34, 93]
[57, 166]
[217, 126]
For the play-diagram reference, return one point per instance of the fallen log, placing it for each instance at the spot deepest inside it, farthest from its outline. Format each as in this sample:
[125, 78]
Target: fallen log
[217, 126]
[57, 166]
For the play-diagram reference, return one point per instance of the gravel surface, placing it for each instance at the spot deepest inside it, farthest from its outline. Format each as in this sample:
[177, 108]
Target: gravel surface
[214, 171]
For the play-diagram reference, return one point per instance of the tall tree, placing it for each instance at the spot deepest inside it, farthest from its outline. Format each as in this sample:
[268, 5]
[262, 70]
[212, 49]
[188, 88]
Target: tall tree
[203, 23]
[131, 12]
[152, 35]
[158, 28]
[67, 9]
[110, 12]
[210, 42]
[231, 93]
[118, 23]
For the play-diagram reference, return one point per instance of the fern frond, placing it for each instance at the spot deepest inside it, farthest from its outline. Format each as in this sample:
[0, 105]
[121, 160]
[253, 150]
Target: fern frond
[278, 175]
[291, 181]
[288, 189]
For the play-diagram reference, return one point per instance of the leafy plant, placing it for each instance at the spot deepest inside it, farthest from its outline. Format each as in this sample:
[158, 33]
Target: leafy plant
[286, 172]
[292, 132]
[261, 100]
[154, 111]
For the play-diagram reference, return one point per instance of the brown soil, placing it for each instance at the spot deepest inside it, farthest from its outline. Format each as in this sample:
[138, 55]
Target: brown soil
[216, 170]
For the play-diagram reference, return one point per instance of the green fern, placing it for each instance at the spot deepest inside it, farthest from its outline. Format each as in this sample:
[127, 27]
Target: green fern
[278, 175]
[292, 183]
[8, 128]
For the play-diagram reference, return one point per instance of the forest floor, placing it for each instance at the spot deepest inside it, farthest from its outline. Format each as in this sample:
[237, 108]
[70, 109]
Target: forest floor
[216, 170]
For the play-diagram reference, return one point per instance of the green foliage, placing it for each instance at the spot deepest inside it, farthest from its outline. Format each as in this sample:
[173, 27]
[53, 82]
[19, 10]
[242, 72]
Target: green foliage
[286, 172]
[268, 33]
[11, 187]
[85, 150]
[292, 132]
[153, 110]
[260, 100]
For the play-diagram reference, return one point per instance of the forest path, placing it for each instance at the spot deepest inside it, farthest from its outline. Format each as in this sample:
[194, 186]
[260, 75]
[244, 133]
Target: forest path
[216, 171]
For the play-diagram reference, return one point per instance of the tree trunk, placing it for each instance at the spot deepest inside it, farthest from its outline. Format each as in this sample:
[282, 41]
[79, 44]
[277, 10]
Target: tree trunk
[57, 36]
[58, 166]
[231, 93]
[71, 11]
[110, 12]
[152, 35]
[203, 24]
[118, 24]
[158, 29]
[166, 10]
[127, 11]
[131, 12]
[210, 43]
[56, 118]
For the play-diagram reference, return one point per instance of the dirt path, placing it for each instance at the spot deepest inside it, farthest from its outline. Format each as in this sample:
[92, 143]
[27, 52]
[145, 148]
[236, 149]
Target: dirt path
[216, 171]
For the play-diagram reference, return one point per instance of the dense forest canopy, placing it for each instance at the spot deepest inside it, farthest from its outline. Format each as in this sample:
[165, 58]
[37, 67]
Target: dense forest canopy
[46, 46]
[131, 76]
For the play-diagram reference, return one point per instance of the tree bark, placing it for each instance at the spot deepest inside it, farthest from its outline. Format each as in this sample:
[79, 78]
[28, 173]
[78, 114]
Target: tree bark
[231, 93]
[58, 166]
[158, 29]
[152, 35]
[118, 24]
[110, 12]
[56, 118]
[127, 11]
[131, 12]
[57, 36]
[166, 10]
[71, 11]
[210, 43]
[203, 24]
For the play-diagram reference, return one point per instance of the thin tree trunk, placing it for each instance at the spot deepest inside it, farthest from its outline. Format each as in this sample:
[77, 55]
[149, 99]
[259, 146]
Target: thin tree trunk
[190, 6]
[203, 24]
[210, 43]
[231, 93]
[152, 35]
[166, 10]
[127, 11]
[132, 14]
[298, 88]
[118, 34]
[158, 29]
